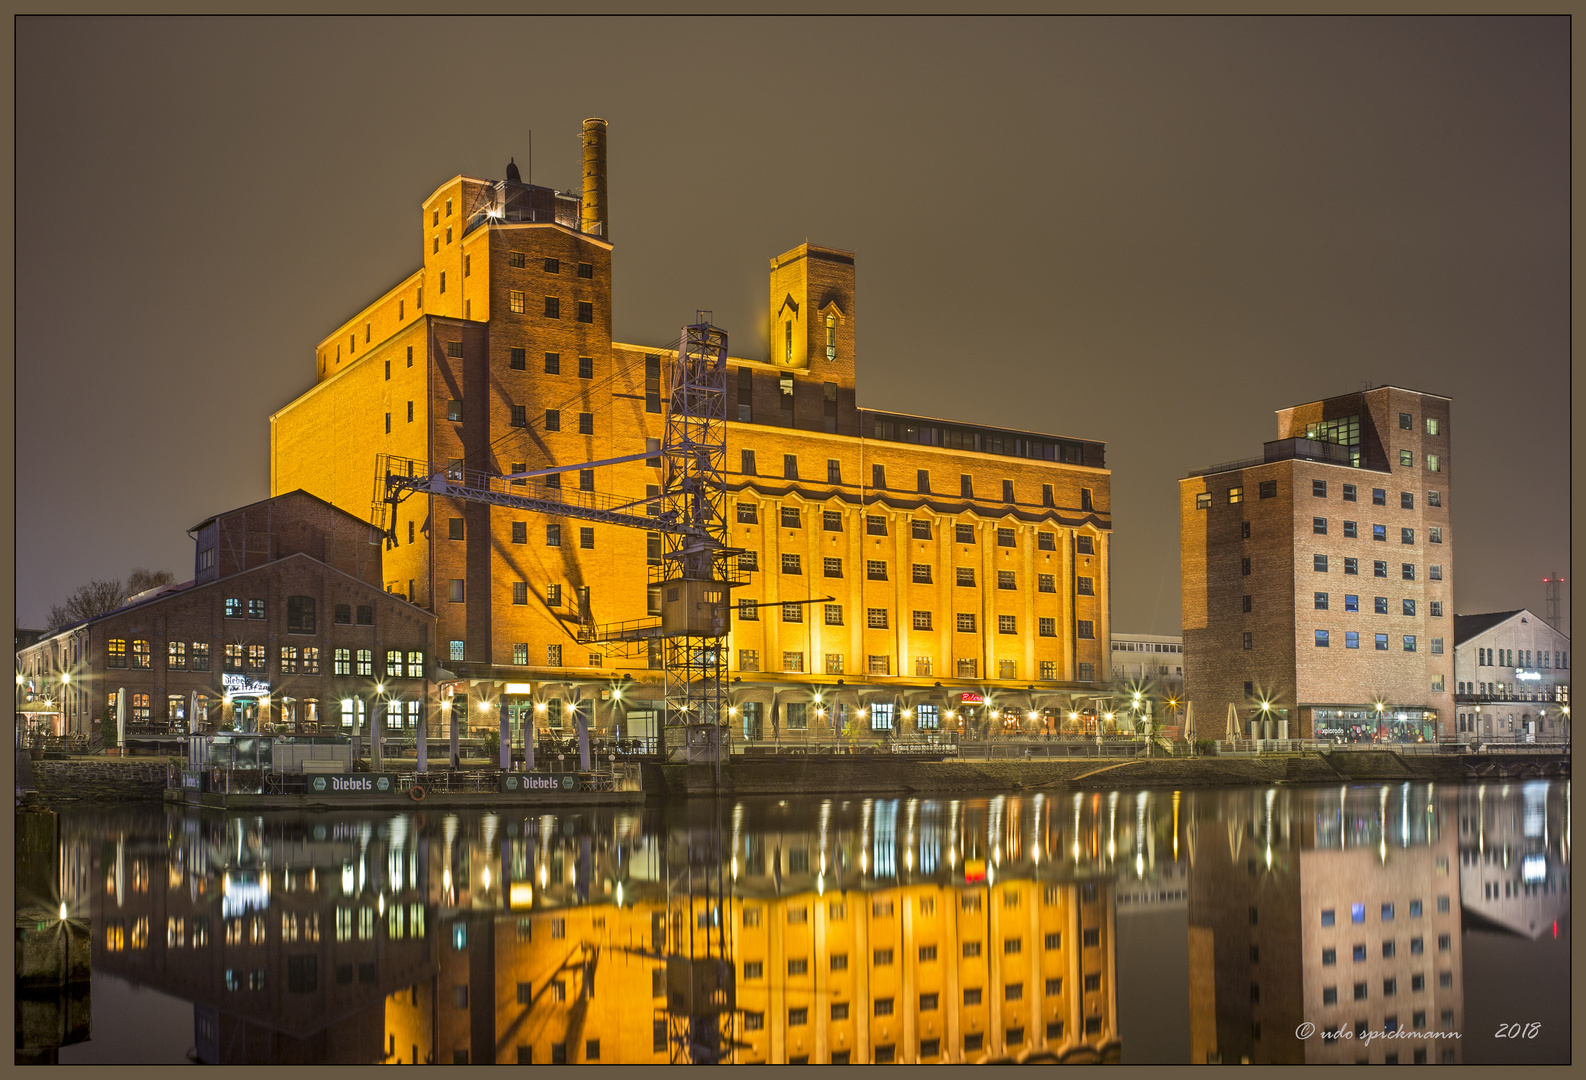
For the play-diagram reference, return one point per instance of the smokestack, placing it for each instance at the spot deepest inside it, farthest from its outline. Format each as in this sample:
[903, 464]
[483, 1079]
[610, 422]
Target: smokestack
[594, 219]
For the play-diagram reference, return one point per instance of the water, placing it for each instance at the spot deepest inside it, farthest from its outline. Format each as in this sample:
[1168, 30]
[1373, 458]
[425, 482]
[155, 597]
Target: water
[1135, 926]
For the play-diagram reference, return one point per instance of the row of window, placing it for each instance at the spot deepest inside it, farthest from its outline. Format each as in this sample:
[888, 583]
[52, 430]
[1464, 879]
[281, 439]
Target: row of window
[1357, 915]
[1379, 568]
[878, 619]
[301, 613]
[747, 466]
[1378, 532]
[793, 661]
[1522, 658]
[920, 573]
[239, 658]
[1324, 640]
[518, 304]
[1268, 489]
[1322, 602]
[887, 1053]
[791, 517]
[517, 260]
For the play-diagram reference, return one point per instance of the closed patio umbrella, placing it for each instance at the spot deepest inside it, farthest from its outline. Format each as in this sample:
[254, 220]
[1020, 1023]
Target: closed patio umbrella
[1189, 721]
[1233, 722]
[121, 720]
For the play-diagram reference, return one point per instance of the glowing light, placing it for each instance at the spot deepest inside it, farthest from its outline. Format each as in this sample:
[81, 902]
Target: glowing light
[346, 878]
[732, 710]
[484, 706]
[19, 678]
[569, 710]
[484, 877]
[1033, 716]
[539, 706]
[66, 677]
[63, 910]
[379, 688]
[545, 876]
[617, 693]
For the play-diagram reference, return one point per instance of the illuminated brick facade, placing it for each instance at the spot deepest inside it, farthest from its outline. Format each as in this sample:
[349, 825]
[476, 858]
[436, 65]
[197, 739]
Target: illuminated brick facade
[498, 353]
[1320, 579]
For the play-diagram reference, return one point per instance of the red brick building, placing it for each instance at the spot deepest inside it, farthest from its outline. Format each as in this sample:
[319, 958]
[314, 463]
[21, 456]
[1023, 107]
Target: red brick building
[285, 625]
[1318, 579]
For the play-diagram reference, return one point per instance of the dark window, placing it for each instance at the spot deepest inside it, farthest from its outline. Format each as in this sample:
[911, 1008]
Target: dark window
[1349, 492]
[586, 367]
[586, 537]
[878, 476]
[520, 416]
[1268, 489]
[553, 363]
[964, 534]
[300, 615]
[966, 486]
[454, 530]
[1046, 541]
[553, 307]
[365, 615]
[1319, 488]
[586, 423]
[342, 614]
[586, 270]
[1005, 538]
[1084, 545]
[519, 360]
[586, 311]
[1319, 563]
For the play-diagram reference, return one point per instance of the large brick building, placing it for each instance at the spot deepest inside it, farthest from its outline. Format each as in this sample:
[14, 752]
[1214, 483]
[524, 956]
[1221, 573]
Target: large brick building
[1318, 580]
[284, 626]
[933, 558]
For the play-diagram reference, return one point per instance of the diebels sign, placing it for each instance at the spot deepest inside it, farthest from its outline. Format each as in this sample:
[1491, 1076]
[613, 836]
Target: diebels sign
[512, 783]
[355, 784]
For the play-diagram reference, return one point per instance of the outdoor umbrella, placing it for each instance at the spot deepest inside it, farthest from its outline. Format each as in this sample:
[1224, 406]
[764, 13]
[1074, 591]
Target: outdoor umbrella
[192, 714]
[1189, 721]
[582, 724]
[121, 720]
[1233, 722]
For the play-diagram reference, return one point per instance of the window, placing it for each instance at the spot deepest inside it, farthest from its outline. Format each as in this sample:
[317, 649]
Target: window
[1321, 639]
[790, 563]
[1248, 640]
[1380, 605]
[454, 529]
[1244, 567]
[1432, 463]
[1407, 458]
[882, 957]
[875, 570]
[1406, 536]
[1007, 624]
[790, 517]
[968, 669]
[520, 592]
[1436, 609]
[586, 311]
[1047, 628]
[832, 521]
[920, 528]
[832, 568]
[921, 573]
[832, 614]
[749, 659]
[1351, 566]
[1434, 498]
[964, 534]
[1382, 642]
[1245, 604]
[1007, 491]
[922, 481]
[1084, 628]
[586, 538]
[1236, 494]
[1319, 563]
[1409, 642]
[586, 423]
[176, 655]
[341, 660]
[365, 662]
[1268, 489]
[454, 593]
[553, 307]
[553, 363]
[1327, 920]
[1045, 541]
[1203, 500]
[1434, 534]
[875, 525]
[965, 622]
[553, 535]
[1349, 529]
[1437, 646]
[1379, 496]
[1379, 568]
[1409, 607]
[1047, 498]
[1379, 532]
[1319, 526]
[454, 411]
[792, 613]
[1351, 602]
[1005, 538]
[921, 620]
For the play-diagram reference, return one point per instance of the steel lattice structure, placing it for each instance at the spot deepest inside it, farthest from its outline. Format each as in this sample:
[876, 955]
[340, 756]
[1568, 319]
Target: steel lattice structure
[693, 503]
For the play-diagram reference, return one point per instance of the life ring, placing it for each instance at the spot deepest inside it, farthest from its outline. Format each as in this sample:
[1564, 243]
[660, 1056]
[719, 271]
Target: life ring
[416, 793]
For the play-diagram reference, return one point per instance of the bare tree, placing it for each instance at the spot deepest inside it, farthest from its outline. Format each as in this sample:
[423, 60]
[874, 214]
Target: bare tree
[87, 602]
[102, 597]
[141, 580]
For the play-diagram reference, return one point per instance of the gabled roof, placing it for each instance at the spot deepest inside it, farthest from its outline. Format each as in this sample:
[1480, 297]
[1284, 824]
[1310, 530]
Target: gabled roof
[1468, 626]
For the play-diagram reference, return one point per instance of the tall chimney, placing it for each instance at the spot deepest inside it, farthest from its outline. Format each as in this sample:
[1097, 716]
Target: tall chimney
[594, 219]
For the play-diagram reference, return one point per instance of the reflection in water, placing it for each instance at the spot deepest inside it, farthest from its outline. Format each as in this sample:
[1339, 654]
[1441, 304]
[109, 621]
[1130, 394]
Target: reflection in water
[860, 930]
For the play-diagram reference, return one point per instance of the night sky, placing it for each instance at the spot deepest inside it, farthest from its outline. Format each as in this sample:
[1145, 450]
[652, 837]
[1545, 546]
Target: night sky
[1152, 232]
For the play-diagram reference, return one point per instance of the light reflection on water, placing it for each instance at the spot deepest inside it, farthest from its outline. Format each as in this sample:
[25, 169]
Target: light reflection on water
[1025, 927]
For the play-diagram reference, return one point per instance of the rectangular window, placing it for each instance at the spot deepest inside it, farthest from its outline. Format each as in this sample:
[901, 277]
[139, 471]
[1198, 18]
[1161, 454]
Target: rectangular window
[792, 613]
[1247, 641]
[1409, 642]
[832, 614]
[1047, 628]
[586, 538]
[922, 481]
[878, 476]
[790, 517]
[1432, 463]
[1434, 498]
[832, 521]
[1085, 586]
[586, 423]
[1007, 491]
[1319, 563]
[965, 622]
[1319, 488]
[1321, 639]
[1407, 459]
[515, 301]
[1203, 500]
[1351, 602]
[921, 573]
[964, 534]
[1437, 646]
[1379, 568]
[553, 363]
[1319, 526]
[553, 535]
[1244, 567]
[792, 661]
[790, 563]
[1380, 605]
[1046, 583]
[1084, 628]
[1005, 538]
[875, 525]
[586, 311]
[553, 307]
[832, 568]
[1351, 566]
[1406, 536]
[1007, 624]
[921, 620]
[1351, 639]
[1236, 494]
[1320, 601]
[1407, 571]
[1268, 489]
[1350, 531]
[1382, 642]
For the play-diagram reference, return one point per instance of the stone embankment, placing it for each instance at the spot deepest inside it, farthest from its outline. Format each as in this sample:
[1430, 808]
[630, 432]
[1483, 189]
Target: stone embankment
[99, 779]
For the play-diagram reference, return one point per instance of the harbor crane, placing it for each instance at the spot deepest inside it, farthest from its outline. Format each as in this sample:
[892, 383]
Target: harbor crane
[697, 569]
